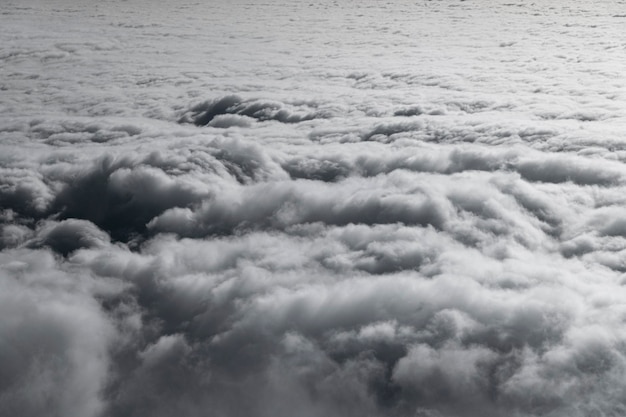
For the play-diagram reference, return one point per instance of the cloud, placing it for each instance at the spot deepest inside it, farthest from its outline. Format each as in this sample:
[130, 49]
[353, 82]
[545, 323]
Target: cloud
[356, 326]
[283, 204]
[25, 192]
[121, 198]
[326, 208]
[69, 235]
[214, 112]
[56, 338]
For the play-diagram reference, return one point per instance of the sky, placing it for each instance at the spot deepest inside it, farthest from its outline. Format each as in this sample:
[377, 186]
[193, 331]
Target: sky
[330, 208]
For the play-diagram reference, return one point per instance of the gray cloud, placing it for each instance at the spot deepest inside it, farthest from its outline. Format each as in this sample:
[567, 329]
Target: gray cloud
[322, 209]
[69, 235]
[55, 337]
[213, 112]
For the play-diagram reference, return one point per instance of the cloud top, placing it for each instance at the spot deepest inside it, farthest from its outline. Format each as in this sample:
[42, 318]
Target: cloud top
[251, 209]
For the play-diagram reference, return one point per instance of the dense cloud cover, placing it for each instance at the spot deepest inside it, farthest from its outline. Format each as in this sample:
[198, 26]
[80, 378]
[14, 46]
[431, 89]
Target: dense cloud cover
[312, 209]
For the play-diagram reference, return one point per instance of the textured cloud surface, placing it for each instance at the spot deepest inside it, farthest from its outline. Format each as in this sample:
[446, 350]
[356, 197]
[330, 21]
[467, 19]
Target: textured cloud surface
[328, 209]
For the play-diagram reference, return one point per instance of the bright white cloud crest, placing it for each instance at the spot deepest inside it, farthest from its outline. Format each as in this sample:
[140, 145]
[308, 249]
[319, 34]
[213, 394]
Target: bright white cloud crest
[312, 209]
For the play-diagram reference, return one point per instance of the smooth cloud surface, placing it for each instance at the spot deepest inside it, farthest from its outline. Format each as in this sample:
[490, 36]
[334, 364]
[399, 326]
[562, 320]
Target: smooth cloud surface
[312, 209]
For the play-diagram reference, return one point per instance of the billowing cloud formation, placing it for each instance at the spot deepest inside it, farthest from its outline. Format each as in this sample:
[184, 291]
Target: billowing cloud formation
[223, 112]
[318, 209]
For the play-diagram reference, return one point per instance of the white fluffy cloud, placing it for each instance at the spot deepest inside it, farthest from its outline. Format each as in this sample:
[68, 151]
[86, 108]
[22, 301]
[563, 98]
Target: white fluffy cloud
[410, 209]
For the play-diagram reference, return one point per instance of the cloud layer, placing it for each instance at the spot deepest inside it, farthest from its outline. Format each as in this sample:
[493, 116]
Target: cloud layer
[408, 209]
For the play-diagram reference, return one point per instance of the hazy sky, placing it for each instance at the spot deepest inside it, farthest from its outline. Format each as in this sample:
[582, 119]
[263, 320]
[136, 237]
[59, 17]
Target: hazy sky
[303, 209]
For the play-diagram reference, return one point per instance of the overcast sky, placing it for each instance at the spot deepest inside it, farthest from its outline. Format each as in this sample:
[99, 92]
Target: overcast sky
[330, 208]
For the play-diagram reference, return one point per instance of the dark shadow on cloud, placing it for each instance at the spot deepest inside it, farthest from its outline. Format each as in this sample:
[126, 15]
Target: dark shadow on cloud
[389, 129]
[409, 111]
[214, 112]
[121, 198]
[120, 195]
[385, 354]
[325, 170]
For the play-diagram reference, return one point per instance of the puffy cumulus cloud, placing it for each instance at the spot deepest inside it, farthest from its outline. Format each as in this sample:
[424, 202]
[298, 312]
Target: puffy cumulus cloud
[69, 235]
[339, 216]
[122, 192]
[56, 337]
[13, 235]
[236, 304]
[281, 204]
[460, 331]
[24, 191]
